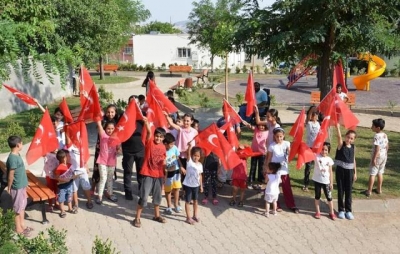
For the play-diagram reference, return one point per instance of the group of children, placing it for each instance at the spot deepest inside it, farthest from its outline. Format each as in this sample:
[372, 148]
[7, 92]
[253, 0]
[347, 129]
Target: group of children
[171, 162]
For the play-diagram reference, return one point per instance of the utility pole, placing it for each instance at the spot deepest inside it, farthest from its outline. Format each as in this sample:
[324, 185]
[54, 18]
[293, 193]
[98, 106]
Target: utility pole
[226, 76]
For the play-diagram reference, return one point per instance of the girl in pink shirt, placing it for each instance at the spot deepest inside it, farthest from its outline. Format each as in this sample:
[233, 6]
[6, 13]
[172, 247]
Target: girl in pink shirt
[106, 161]
[258, 145]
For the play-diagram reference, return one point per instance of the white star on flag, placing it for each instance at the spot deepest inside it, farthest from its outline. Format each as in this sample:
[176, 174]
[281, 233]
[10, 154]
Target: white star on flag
[120, 128]
[37, 142]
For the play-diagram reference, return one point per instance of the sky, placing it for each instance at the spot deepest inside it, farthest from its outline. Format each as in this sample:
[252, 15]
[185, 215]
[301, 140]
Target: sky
[176, 10]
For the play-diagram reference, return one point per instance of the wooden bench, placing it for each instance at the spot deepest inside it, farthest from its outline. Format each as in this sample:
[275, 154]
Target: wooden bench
[38, 193]
[108, 67]
[180, 68]
[315, 98]
[202, 75]
[3, 177]
[180, 83]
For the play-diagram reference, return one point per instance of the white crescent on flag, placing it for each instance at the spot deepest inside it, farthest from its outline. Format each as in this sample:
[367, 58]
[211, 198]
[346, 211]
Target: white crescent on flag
[210, 139]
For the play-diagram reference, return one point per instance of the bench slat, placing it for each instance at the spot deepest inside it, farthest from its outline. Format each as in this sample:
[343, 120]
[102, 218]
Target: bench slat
[31, 190]
[44, 192]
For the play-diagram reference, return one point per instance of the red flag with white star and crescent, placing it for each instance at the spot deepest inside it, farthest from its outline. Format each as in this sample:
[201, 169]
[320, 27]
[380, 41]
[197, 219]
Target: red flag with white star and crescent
[23, 96]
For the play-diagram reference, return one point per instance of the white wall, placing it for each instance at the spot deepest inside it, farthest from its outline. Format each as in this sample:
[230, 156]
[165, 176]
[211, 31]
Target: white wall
[163, 48]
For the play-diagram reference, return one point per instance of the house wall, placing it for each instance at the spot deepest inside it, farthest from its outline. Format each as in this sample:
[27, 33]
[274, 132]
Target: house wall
[163, 48]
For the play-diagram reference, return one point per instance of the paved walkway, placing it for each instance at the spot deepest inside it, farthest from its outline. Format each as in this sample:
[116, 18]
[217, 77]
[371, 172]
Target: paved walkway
[225, 229]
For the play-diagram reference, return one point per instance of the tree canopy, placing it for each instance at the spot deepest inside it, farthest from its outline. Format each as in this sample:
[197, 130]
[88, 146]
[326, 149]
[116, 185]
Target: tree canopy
[156, 26]
[292, 29]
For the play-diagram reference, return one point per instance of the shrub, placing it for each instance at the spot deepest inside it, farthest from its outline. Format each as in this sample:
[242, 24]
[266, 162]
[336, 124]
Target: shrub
[13, 128]
[149, 67]
[105, 97]
[273, 100]
[258, 69]
[244, 69]
[34, 119]
[239, 98]
[237, 70]
[103, 247]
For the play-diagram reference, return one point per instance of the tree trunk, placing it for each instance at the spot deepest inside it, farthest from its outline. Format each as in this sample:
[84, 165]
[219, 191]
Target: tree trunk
[212, 62]
[226, 77]
[101, 69]
[325, 69]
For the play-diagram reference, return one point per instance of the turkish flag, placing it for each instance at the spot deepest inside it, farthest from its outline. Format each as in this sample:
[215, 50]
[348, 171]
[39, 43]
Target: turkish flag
[91, 110]
[126, 125]
[159, 117]
[138, 112]
[77, 133]
[250, 96]
[44, 141]
[150, 118]
[212, 140]
[305, 155]
[231, 134]
[66, 112]
[26, 98]
[298, 123]
[338, 77]
[322, 135]
[86, 84]
[230, 114]
[346, 118]
[326, 102]
[165, 104]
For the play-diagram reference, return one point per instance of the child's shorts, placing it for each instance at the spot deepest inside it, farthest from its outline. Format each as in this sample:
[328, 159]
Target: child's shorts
[191, 193]
[82, 180]
[271, 198]
[65, 194]
[52, 184]
[150, 185]
[239, 183]
[379, 168]
[19, 199]
[173, 183]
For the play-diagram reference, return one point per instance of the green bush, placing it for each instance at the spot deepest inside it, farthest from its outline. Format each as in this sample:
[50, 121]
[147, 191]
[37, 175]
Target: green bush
[103, 247]
[13, 128]
[237, 70]
[239, 98]
[244, 69]
[273, 100]
[105, 97]
[34, 119]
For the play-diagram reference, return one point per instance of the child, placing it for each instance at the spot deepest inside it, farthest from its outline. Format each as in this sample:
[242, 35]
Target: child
[211, 165]
[192, 182]
[312, 129]
[172, 173]
[64, 182]
[106, 161]
[239, 177]
[343, 96]
[152, 174]
[174, 132]
[17, 183]
[258, 145]
[273, 178]
[379, 156]
[323, 179]
[272, 121]
[110, 116]
[196, 124]
[50, 164]
[278, 152]
[142, 103]
[346, 172]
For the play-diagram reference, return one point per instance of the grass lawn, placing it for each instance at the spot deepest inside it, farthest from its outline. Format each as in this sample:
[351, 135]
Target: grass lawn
[203, 97]
[113, 79]
[29, 121]
[363, 154]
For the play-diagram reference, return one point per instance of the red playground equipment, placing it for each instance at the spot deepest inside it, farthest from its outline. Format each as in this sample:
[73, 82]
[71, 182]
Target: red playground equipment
[300, 70]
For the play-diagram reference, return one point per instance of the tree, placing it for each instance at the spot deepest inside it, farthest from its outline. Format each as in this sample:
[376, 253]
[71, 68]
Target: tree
[213, 27]
[161, 27]
[291, 29]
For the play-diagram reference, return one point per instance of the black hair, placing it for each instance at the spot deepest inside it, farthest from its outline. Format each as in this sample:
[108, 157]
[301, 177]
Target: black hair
[274, 167]
[116, 117]
[107, 123]
[61, 154]
[177, 118]
[141, 97]
[13, 141]
[159, 130]
[168, 139]
[150, 75]
[195, 121]
[170, 93]
[351, 132]
[171, 99]
[379, 123]
[274, 113]
[58, 110]
[278, 129]
[263, 118]
[327, 144]
[132, 97]
[53, 119]
[195, 149]
[338, 85]
[188, 115]
[310, 109]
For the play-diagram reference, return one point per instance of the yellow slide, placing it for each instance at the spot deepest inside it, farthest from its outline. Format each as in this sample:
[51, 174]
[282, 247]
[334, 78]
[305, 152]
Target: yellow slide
[376, 66]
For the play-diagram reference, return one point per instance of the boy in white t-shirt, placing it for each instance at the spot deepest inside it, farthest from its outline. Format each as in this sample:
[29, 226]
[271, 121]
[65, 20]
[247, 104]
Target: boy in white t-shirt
[378, 157]
[343, 96]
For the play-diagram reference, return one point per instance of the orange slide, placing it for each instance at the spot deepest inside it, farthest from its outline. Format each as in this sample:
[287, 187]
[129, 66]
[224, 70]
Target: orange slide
[376, 66]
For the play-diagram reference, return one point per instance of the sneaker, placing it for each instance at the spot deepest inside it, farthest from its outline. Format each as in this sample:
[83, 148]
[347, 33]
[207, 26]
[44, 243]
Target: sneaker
[349, 216]
[317, 215]
[341, 215]
[168, 211]
[204, 201]
[332, 216]
[178, 209]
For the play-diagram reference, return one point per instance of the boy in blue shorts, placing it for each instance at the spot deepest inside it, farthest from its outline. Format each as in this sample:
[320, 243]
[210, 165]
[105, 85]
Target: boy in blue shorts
[172, 173]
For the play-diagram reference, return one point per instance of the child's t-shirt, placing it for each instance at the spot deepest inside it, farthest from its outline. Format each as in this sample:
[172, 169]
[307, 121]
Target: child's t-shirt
[259, 143]
[271, 128]
[75, 159]
[107, 154]
[280, 154]
[240, 172]
[172, 161]
[15, 162]
[60, 135]
[184, 137]
[64, 172]
[154, 159]
[272, 187]
[50, 164]
[321, 169]
[312, 130]
[342, 96]
[380, 140]
[193, 171]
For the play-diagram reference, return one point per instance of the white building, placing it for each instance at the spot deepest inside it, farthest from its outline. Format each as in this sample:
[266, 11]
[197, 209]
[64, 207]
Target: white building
[175, 48]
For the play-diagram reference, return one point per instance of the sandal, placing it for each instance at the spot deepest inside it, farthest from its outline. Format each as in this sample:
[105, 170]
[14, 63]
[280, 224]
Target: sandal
[240, 204]
[317, 215]
[305, 189]
[99, 201]
[74, 210]
[196, 219]
[189, 221]
[136, 223]
[25, 233]
[63, 215]
[89, 205]
[159, 219]
[266, 214]
[28, 229]
[296, 210]
[204, 201]
[215, 201]
[232, 203]
[113, 198]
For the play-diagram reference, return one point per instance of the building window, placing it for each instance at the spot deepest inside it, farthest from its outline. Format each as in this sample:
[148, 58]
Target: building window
[128, 50]
[184, 52]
